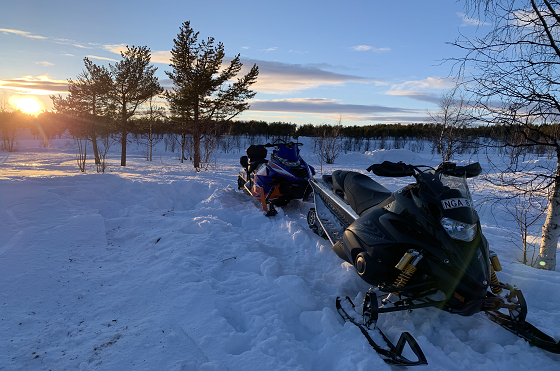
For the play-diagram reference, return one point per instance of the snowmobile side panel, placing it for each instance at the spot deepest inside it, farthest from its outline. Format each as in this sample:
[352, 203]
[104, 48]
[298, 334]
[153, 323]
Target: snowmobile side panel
[338, 207]
[331, 225]
[380, 265]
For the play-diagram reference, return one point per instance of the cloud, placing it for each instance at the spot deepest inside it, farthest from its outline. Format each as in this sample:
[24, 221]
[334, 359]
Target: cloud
[269, 49]
[21, 33]
[274, 77]
[42, 85]
[420, 89]
[393, 119]
[329, 109]
[363, 48]
[283, 78]
[115, 48]
[272, 116]
[103, 58]
[422, 97]
[45, 63]
[467, 21]
[161, 57]
[321, 106]
[157, 56]
[74, 43]
[54, 39]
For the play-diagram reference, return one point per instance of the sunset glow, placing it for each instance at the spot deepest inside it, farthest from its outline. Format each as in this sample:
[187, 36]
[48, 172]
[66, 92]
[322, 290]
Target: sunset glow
[27, 105]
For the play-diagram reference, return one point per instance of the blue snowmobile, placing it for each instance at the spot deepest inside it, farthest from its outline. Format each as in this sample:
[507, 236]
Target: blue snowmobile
[277, 181]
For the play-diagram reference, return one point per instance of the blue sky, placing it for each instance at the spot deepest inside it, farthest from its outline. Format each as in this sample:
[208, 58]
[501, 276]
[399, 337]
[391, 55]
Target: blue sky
[365, 61]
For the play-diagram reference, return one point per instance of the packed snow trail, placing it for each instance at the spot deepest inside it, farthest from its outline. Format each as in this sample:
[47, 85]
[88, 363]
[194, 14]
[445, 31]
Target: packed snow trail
[157, 267]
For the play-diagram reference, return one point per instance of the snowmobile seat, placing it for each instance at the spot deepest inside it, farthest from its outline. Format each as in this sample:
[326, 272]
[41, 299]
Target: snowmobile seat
[244, 161]
[362, 192]
[338, 177]
[254, 163]
[256, 155]
[256, 151]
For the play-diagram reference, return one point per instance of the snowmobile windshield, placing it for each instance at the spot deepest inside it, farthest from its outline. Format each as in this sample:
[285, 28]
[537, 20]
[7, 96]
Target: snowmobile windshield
[452, 194]
[455, 198]
[288, 155]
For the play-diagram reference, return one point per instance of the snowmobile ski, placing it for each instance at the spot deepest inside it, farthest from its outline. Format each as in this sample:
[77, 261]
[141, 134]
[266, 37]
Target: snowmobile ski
[390, 353]
[516, 324]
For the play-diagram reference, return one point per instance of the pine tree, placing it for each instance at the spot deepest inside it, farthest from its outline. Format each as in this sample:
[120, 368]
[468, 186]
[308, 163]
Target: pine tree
[134, 83]
[203, 94]
[87, 103]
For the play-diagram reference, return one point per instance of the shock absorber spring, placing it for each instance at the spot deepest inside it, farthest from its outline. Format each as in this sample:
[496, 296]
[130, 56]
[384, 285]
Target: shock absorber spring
[407, 265]
[405, 275]
[494, 279]
[495, 266]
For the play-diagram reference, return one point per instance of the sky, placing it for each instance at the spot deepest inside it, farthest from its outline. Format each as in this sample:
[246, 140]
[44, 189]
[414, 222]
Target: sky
[361, 62]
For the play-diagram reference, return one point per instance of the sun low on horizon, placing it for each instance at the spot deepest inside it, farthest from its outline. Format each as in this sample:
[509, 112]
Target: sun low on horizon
[27, 105]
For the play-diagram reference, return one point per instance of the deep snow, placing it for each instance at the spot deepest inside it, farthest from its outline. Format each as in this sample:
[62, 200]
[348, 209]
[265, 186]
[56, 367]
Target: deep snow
[157, 267]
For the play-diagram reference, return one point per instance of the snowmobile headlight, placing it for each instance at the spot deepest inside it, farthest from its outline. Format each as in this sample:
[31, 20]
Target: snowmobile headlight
[459, 230]
[286, 162]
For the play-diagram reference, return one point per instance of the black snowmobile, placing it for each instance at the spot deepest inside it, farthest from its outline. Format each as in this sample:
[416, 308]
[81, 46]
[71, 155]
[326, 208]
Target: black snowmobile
[420, 246]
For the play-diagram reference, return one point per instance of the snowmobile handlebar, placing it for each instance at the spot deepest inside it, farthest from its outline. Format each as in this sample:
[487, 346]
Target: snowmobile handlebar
[469, 171]
[392, 169]
[282, 141]
[400, 169]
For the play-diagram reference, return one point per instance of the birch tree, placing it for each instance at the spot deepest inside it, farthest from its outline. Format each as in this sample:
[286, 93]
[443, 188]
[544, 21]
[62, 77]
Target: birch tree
[9, 123]
[514, 74]
[327, 143]
[450, 121]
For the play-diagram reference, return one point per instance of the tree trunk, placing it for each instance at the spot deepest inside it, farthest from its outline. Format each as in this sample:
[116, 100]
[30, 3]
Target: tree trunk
[95, 149]
[123, 147]
[150, 142]
[196, 149]
[124, 134]
[196, 139]
[183, 145]
[551, 227]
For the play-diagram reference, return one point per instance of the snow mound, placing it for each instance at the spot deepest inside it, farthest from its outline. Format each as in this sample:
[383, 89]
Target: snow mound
[395, 155]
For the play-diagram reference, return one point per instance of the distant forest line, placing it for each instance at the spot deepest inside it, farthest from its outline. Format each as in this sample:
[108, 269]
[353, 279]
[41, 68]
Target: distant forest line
[50, 125]
[53, 125]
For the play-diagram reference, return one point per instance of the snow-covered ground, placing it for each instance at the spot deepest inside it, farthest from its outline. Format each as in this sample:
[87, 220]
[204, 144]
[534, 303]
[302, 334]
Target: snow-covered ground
[157, 267]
